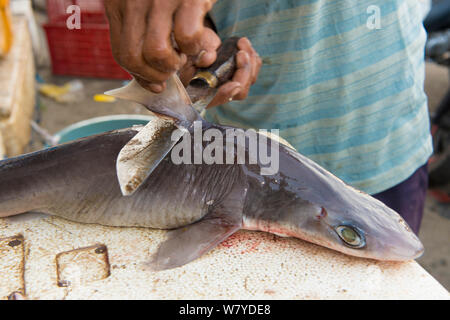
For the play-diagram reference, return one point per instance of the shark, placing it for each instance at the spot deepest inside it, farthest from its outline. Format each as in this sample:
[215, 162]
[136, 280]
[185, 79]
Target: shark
[201, 204]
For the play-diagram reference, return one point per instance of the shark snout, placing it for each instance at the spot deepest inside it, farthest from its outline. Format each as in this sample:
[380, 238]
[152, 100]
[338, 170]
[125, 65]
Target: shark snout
[408, 247]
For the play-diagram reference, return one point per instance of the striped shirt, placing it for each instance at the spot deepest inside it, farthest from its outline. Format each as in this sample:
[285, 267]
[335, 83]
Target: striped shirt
[343, 87]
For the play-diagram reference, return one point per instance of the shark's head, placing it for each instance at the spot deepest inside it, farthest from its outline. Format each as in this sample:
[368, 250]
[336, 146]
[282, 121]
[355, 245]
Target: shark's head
[362, 227]
[305, 201]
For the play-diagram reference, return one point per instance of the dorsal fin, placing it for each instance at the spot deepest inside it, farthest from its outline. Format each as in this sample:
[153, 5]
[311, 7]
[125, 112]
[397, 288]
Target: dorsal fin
[173, 101]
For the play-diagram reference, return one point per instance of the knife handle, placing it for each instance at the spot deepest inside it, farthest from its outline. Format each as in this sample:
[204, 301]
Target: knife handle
[221, 70]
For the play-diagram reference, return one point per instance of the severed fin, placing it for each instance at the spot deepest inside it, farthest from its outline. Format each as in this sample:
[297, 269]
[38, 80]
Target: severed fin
[173, 102]
[188, 243]
[142, 154]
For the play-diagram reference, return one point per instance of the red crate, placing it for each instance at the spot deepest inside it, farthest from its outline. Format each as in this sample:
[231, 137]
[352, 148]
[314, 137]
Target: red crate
[81, 52]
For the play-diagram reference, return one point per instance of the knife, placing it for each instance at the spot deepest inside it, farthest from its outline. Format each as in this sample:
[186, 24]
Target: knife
[176, 110]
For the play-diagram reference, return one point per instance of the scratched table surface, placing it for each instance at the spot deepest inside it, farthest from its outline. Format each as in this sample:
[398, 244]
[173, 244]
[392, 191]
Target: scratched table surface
[53, 258]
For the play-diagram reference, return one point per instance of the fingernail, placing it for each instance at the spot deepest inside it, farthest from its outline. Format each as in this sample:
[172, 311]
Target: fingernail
[183, 60]
[200, 56]
[235, 92]
[156, 88]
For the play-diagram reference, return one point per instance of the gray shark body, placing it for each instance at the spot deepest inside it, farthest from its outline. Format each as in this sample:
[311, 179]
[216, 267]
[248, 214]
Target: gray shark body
[204, 204]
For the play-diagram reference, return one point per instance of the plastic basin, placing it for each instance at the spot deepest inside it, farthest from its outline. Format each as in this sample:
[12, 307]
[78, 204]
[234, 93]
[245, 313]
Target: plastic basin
[100, 124]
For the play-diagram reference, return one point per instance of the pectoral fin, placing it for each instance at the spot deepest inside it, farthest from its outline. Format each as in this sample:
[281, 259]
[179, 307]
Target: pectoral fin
[186, 244]
[191, 242]
[25, 217]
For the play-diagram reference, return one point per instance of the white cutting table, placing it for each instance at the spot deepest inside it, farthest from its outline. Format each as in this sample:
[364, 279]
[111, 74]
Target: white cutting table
[58, 259]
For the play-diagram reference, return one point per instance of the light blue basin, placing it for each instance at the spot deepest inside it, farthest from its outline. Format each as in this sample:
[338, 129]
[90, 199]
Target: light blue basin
[100, 124]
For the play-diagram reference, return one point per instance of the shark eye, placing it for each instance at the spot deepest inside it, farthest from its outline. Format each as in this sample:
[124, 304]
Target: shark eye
[350, 236]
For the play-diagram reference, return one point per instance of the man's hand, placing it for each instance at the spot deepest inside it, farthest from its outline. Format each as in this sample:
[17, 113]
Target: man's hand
[141, 37]
[248, 64]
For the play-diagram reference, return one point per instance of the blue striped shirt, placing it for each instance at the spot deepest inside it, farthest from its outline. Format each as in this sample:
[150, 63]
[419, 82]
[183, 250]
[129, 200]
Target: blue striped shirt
[343, 90]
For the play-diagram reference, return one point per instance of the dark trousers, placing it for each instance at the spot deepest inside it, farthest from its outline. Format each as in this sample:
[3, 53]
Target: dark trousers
[439, 16]
[408, 197]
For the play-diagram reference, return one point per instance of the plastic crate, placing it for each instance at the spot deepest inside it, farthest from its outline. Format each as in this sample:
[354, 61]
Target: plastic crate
[81, 52]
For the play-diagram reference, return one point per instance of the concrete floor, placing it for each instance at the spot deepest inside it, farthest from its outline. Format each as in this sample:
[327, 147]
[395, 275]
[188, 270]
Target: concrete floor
[435, 231]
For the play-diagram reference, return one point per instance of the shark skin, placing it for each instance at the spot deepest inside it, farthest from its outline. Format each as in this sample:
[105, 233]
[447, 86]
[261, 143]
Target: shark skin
[203, 204]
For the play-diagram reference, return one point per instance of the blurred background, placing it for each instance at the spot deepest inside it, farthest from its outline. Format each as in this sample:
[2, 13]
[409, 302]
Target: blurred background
[53, 74]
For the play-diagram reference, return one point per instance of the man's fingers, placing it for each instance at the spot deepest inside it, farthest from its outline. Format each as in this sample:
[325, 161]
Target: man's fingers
[187, 71]
[188, 25]
[257, 63]
[158, 49]
[154, 87]
[248, 64]
[245, 45]
[113, 12]
[138, 68]
[210, 43]
[131, 46]
[243, 74]
[226, 93]
[142, 42]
